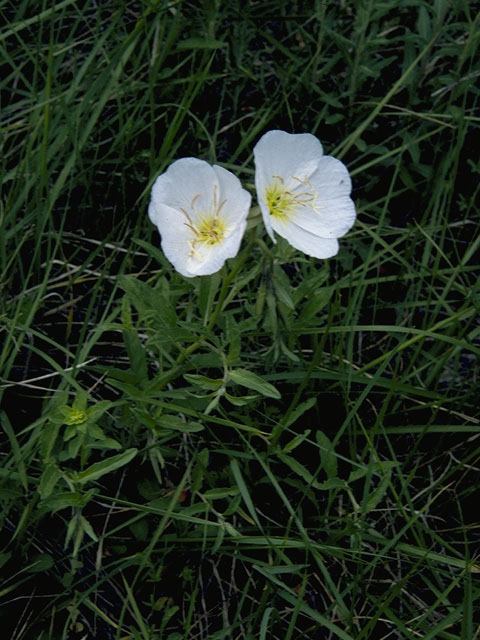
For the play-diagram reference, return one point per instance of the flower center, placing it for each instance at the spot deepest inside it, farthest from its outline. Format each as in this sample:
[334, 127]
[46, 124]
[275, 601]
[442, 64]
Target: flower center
[282, 202]
[208, 229]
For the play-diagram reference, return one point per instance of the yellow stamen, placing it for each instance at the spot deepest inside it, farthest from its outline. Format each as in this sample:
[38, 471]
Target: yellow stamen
[209, 228]
[282, 203]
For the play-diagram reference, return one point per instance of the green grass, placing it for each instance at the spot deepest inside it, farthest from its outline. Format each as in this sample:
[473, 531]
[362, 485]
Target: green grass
[150, 489]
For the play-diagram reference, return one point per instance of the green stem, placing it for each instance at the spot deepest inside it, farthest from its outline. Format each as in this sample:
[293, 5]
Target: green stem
[221, 299]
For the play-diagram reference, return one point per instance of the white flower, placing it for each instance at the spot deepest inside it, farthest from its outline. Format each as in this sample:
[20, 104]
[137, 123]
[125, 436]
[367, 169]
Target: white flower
[200, 211]
[304, 196]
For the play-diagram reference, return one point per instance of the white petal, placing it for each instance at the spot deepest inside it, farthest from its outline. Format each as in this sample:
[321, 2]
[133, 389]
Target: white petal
[329, 218]
[331, 179]
[266, 216]
[333, 212]
[185, 181]
[286, 155]
[175, 236]
[237, 199]
[305, 241]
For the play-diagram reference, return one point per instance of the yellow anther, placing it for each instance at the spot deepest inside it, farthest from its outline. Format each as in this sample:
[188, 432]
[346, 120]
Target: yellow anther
[209, 228]
[282, 202]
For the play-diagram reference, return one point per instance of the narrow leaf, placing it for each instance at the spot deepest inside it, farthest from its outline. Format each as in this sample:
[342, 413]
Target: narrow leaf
[327, 455]
[252, 381]
[174, 422]
[99, 469]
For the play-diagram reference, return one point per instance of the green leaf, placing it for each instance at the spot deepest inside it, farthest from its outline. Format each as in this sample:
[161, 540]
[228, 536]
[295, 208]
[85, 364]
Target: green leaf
[220, 492]
[106, 443]
[210, 384]
[152, 303]
[282, 285]
[169, 421]
[252, 381]
[295, 442]
[377, 495]
[87, 527]
[140, 529]
[49, 479]
[60, 501]
[237, 474]
[239, 401]
[138, 293]
[286, 352]
[74, 447]
[98, 409]
[95, 432]
[153, 251]
[136, 355]
[200, 43]
[130, 390]
[265, 622]
[207, 289]
[327, 455]
[300, 470]
[356, 474]
[423, 23]
[69, 432]
[315, 303]
[334, 118]
[48, 438]
[41, 562]
[270, 322]
[284, 568]
[99, 469]
[199, 470]
[4, 558]
[212, 404]
[299, 411]
[332, 483]
[16, 449]
[10, 491]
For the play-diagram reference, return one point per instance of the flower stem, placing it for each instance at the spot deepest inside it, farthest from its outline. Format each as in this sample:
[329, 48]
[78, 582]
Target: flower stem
[221, 298]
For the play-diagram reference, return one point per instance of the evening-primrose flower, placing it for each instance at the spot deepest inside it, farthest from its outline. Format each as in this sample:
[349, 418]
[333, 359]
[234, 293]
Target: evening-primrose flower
[303, 195]
[200, 211]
